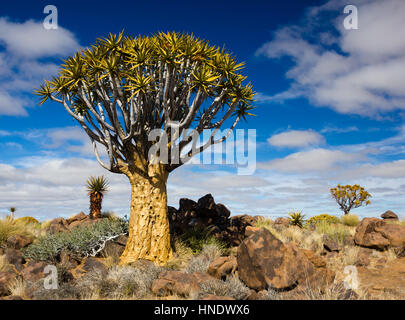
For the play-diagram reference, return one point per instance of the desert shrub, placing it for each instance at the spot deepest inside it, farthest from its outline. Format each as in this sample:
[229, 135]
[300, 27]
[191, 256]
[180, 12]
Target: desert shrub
[197, 239]
[65, 291]
[200, 262]
[28, 220]
[271, 294]
[231, 287]
[337, 232]
[350, 220]
[82, 241]
[10, 227]
[296, 219]
[324, 218]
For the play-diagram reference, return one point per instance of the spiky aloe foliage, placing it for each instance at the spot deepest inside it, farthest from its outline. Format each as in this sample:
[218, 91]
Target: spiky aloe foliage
[297, 219]
[96, 186]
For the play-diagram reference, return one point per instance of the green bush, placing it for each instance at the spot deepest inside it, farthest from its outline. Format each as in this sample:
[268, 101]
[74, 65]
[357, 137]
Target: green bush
[350, 220]
[82, 241]
[323, 218]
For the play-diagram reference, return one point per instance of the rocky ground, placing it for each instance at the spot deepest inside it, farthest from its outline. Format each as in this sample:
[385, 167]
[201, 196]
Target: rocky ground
[217, 257]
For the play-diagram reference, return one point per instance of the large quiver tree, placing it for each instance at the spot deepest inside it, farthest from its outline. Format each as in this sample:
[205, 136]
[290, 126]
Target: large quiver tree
[122, 89]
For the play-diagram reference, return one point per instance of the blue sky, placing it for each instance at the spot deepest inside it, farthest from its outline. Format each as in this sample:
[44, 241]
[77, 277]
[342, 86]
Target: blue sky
[330, 104]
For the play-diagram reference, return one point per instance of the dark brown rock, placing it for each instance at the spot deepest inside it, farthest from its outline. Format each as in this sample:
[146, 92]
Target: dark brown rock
[264, 261]
[67, 261]
[94, 264]
[112, 249]
[34, 271]
[322, 277]
[18, 242]
[175, 282]
[377, 234]
[78, 217]
[389, 215]
[222, 266]
[282, 221]
[85, 222]
[362, 260]
[15, 257]
[58, 225]
[331, 245]
[250, 230]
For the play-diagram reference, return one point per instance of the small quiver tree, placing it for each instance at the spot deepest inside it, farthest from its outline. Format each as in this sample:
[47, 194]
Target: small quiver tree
[350, 196]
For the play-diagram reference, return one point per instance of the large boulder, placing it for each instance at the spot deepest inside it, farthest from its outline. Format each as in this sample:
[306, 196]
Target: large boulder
[264, 262]
[377, 234]
[389, 215]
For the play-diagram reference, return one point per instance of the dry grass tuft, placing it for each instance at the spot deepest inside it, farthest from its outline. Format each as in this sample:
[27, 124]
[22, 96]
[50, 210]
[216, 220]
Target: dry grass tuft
[17, 287]
[9, 227]
[4, 265]
[350, 220]
[200, 262]
[231, 287]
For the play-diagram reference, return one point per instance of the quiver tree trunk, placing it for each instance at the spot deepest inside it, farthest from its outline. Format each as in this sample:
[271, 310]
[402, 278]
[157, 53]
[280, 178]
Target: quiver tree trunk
[96, 199]
[149, 233]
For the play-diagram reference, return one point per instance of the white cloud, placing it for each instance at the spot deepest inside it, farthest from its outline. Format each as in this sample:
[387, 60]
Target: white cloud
[317, 160]
[334, 129]
[361, 72]
[31, 40]
[296, 138]
[22, 46]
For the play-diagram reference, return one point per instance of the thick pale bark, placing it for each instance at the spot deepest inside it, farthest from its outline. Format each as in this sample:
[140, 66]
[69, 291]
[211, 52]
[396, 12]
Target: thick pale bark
[149, 233]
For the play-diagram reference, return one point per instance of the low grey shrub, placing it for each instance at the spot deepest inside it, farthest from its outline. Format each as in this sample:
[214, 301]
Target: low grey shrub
[82, 241]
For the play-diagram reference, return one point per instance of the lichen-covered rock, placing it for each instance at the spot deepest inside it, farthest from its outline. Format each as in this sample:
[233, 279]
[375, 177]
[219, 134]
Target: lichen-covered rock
[57, 225]
[34, 271]
[264, 261]
[78, 217]
[15, 258]
[18, 242]
[377, 234]
[222, 266]
[389, 215]
[175, 282]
